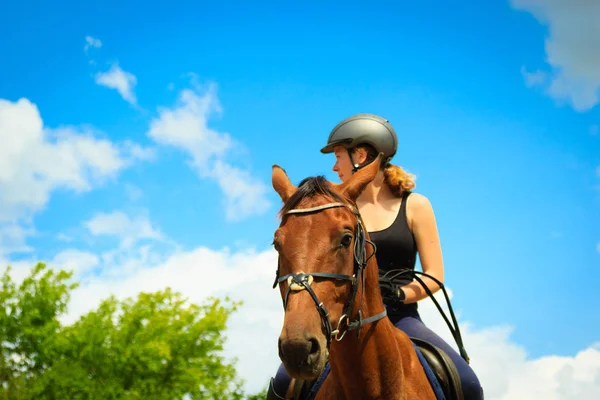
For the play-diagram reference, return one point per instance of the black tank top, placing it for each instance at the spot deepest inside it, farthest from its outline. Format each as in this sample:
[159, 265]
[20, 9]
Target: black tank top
[397, 249]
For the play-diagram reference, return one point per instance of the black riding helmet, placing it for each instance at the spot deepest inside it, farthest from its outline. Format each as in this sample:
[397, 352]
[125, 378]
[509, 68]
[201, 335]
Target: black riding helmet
[364, 129]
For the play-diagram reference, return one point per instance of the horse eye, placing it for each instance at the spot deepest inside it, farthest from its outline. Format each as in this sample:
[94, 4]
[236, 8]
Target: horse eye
[346, 240]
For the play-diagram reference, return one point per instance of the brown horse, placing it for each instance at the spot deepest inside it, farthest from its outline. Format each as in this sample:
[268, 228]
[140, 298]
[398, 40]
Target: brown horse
[324, 264]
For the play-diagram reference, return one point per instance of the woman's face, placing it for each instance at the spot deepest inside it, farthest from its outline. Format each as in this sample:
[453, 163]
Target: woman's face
[343, 165]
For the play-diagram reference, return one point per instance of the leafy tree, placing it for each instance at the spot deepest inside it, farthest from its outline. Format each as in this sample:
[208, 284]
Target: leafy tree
[157, 346]
[29, 326]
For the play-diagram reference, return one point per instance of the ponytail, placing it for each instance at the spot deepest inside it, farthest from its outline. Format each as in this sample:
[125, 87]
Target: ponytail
[398, 180]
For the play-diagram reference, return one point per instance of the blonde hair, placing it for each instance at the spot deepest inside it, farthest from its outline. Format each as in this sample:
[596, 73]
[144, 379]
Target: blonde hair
[397, 179]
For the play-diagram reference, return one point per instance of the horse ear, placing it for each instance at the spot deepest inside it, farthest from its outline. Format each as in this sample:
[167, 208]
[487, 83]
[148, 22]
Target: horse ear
[354, 186]
[282, 184]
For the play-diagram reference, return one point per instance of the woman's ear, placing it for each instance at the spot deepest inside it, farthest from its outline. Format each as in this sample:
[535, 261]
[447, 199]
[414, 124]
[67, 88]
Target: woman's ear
[359, 156]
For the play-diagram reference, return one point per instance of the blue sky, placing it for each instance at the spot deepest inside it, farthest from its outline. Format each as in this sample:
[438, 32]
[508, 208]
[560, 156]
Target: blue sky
[495, 115]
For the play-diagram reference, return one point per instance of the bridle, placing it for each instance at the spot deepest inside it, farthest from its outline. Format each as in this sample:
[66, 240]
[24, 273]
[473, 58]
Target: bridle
[301, 280]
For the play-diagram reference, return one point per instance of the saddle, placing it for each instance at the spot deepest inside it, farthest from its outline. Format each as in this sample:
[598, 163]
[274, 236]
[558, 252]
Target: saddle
[443, 369]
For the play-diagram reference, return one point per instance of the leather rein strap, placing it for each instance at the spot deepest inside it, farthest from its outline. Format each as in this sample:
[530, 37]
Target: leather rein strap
[301, 280]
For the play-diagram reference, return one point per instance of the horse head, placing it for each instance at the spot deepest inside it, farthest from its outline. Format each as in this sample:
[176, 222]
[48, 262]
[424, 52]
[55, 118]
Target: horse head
[323, 256]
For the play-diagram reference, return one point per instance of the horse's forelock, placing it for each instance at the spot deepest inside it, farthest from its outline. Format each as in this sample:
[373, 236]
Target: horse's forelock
[310, 187]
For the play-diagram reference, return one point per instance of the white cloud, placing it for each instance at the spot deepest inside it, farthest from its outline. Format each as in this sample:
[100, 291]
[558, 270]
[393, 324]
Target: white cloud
[36, 160]
[120, 80]
[63, 237]
[128, 230]
[92, 42]
[503, 366]
[572, 49]
[185, 126]
[12, 238]
[138, 152]
[75, 260]
[244, 195]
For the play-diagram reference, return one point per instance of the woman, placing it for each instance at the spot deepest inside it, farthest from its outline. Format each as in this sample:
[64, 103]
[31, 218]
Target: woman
[400, 223]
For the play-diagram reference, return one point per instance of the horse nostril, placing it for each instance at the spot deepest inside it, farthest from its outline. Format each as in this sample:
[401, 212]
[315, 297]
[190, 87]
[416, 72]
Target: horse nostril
[314, 346]
[279, 348]
[314, 351]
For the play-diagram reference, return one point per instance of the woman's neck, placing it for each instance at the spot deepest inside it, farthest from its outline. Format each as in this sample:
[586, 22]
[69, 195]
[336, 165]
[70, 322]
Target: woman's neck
[376, 191]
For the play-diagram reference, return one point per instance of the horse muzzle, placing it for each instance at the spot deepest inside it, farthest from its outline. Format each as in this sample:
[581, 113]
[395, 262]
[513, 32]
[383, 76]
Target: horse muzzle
[303, 357]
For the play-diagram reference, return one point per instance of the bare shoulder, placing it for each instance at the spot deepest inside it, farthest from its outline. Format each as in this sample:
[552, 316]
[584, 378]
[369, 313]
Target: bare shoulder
[418, 210]
[418, 202]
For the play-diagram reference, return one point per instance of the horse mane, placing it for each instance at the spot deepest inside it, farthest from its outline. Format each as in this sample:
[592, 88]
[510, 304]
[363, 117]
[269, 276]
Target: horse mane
[308, 188]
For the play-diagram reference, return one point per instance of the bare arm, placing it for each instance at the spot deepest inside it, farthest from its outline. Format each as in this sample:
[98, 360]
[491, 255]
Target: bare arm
[424, 227]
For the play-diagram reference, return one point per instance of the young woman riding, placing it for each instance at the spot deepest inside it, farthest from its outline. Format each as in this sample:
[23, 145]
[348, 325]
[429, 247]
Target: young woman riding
[401, 223]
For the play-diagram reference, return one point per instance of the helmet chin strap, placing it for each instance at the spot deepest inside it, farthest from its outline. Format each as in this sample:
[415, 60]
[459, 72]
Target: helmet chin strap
[355, 166]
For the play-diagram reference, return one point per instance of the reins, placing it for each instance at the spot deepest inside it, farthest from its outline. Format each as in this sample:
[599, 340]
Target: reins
[384, 280]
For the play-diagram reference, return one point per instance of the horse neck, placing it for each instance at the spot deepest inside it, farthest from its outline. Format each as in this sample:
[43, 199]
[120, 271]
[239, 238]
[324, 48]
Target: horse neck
[368, 363]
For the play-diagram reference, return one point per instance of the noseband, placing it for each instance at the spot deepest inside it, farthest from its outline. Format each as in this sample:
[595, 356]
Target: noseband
[301, 281]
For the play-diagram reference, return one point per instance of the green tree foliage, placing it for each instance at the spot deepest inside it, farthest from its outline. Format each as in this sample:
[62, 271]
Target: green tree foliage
[29, 326]
[157, 346]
